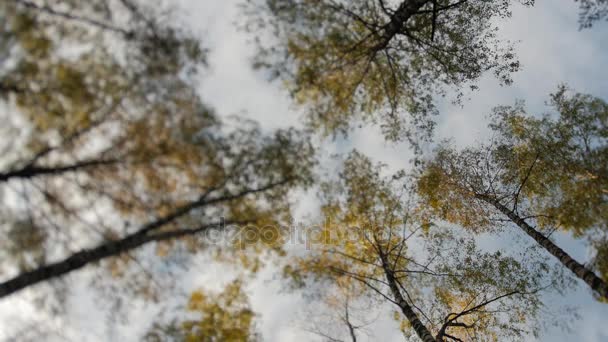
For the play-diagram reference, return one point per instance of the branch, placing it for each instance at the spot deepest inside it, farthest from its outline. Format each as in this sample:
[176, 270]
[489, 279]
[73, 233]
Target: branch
[447, 7]
[103, 251]
[31, 171]
[524, 181]
[385, 9]
[352, 257]
[131, 241]
[452, 337]
[203, 201]
[434, 21]
[451, 321]
[365, 282]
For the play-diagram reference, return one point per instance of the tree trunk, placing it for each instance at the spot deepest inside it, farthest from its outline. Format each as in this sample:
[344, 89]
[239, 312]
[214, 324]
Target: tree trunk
[595, 282]
[86, 256]
[421, 330]
[399, 18]
[351, 328]
[142, 236]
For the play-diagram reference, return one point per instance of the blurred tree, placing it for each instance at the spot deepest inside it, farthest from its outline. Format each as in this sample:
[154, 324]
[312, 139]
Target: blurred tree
[225, 316]
[592, 11]
[115, 148]
[345, 313]
[381, 61]
[549, 171]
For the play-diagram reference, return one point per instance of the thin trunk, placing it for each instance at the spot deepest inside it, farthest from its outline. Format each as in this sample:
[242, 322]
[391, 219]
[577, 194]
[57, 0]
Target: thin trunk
[421, 330]
[353, 335]
[398, 20]
[595, 282]
[140, 237]
[351, 328]
[87, 256]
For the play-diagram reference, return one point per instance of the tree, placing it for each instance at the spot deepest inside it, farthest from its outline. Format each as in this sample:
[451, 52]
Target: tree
[443, 286]
[592, 11]
[549, 172]
[345, 313]
[381, 61]
[124, 139]
[224, 316]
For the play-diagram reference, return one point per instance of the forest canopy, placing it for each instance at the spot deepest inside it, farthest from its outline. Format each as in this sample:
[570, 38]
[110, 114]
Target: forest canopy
[407, 183]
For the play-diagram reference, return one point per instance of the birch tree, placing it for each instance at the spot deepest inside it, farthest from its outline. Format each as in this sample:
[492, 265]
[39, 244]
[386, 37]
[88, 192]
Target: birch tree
[442, 286]
[381, 61]
[541, 174]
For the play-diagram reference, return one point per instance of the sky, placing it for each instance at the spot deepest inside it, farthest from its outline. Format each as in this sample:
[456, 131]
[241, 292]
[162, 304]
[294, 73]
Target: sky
[551, 49]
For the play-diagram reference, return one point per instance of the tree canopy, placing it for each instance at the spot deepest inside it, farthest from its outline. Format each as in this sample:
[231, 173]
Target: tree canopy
[102, 133]
[549, 170]
[121, 185]
[381, 61]
[592, 11]
[224, 316]
[376, 236]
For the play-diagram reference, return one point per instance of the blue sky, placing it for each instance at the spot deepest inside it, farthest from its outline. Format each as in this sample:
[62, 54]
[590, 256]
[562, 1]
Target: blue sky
[552, 51]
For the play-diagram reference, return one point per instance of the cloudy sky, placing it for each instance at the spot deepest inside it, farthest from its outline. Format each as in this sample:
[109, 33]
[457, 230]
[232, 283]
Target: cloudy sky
[552, 51]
